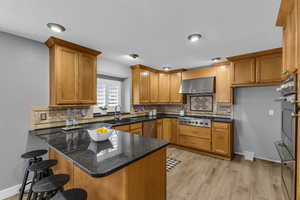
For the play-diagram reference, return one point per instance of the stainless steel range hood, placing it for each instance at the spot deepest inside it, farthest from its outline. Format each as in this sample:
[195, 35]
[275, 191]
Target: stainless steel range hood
[198, 86]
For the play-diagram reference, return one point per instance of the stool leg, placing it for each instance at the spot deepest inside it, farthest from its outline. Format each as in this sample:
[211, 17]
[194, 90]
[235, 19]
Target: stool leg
[24, 185]
[33, 181]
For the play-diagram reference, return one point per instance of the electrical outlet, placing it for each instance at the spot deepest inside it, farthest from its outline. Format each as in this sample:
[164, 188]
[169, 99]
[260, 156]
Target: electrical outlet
[43, 116]
[271, 112]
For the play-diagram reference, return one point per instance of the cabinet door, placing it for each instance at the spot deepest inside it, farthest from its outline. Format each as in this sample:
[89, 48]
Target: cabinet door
[223, 84]
[243, 71]
[164, 88]
[66, 76]
[221, 140]
[87, 79]
[124, 128]
[174, 131]
[144, 86]
[290, 41]
[175, 83]
[159, 128]
[153, 87]
[268, 68]
[167, 129]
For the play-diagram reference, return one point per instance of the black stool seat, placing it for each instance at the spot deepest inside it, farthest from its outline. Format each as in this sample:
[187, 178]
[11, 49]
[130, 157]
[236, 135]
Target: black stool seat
[72, 194]
[51, 183]
[43, 165]
[34, 154]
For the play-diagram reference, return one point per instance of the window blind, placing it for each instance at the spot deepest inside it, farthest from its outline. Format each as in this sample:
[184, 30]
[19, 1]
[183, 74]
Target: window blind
[108, 94]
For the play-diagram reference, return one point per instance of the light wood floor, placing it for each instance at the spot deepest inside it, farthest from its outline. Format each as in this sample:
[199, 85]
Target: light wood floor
[200, 177]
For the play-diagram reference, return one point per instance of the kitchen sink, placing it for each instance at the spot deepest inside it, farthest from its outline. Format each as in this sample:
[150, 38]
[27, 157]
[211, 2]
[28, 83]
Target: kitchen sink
[126, 120]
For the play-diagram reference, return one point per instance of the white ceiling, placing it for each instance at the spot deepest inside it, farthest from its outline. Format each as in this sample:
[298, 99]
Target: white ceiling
[155, 29]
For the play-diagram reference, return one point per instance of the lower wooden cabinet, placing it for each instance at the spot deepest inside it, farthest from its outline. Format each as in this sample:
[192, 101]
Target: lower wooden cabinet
[167, 130]
[222, 139]
[136, 128]
[217, 140]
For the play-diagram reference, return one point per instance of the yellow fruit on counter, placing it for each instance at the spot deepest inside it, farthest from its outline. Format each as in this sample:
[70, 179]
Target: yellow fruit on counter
[102, 130]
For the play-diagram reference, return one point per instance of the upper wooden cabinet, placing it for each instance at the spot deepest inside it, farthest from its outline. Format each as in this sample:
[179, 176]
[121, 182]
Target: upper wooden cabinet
[73, 72]
[289, 20]
[224, 91]
[151, 86]
[202, 72]
[265, 70]
[259, 68]
[164, 88]
[243, 71]
[175, 80]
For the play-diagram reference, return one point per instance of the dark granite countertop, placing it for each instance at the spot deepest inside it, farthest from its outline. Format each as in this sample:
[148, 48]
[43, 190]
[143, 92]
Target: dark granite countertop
[99, 159]
[131, 120]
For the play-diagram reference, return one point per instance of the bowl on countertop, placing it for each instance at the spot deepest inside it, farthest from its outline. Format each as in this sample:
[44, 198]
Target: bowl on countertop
[97, 137]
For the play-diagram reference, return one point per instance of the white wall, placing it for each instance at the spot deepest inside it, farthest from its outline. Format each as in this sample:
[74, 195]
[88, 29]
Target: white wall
[255, 129]
[24, 83]
[110, 68]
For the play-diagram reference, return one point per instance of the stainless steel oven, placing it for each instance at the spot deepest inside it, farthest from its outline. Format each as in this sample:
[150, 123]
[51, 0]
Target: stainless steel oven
[287, 146]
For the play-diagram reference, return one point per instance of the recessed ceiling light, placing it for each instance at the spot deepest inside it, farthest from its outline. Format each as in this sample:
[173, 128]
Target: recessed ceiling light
[166, 68]
[217, 59]
[56, 27]
[134, 56]
[194, 37]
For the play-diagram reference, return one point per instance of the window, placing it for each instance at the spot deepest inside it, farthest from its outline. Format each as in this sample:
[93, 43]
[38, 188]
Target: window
[108, 94]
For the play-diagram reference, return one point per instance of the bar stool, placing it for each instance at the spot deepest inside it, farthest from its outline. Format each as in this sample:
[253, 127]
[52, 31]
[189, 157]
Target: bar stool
[72, 194]
[32, 157]
[47, 187]
[40, 170]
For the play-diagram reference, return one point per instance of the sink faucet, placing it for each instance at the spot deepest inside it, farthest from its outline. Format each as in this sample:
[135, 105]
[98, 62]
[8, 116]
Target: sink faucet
[117, 115]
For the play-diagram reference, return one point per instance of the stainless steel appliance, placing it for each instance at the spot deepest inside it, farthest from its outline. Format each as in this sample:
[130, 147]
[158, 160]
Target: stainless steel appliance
[287, 146]
[198, 86]
[195, 121]
[149, 129]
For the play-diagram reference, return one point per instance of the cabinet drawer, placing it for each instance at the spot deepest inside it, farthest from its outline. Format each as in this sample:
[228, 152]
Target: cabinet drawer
[136, 126]
[124, 128]
[221, 125]
[195, 142]
[194, 131]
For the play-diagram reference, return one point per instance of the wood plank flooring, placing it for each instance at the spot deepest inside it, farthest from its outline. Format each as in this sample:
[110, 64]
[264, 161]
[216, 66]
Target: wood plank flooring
[200, 177]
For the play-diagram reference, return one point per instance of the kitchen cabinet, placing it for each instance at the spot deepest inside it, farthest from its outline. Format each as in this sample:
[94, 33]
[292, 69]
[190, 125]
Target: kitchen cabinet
[167, 129]
[256, 69]
[73, 72]
[243, 71]
[164, 88]
[136, 128]
[222, 139]
[154, 87]
[151, 86]
[175, 83]
[224, 91]
[195, 137]
[159, 128]
[202, 72]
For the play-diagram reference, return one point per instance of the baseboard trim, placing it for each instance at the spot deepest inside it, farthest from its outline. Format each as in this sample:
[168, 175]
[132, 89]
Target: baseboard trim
[9, 192]
[259, 157]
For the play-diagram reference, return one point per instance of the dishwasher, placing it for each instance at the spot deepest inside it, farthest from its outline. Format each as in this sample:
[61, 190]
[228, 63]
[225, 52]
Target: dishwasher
[149, 129]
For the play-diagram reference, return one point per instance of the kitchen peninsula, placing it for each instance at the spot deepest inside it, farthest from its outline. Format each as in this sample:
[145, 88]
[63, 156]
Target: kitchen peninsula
[127, 166]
